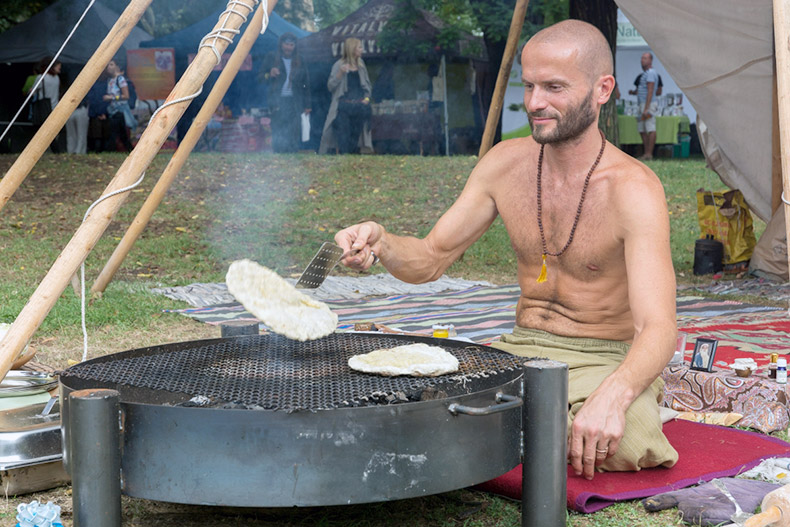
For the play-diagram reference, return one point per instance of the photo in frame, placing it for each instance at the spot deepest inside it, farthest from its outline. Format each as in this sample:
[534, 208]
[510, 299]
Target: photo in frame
[704, 353]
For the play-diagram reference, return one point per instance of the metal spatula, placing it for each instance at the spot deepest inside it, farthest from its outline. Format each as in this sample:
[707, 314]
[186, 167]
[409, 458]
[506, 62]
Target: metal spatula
[321, 265]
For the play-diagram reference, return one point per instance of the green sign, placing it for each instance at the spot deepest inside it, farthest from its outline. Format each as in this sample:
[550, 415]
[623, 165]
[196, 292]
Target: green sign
[627, 35]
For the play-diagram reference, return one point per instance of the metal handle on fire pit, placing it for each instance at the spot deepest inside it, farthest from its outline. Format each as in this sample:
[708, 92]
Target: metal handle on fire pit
[503, 402]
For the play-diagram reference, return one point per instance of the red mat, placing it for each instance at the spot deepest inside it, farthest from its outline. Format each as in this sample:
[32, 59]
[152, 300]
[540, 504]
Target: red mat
[706, 452]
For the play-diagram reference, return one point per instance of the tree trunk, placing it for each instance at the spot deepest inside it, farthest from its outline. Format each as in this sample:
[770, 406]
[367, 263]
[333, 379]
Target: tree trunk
[495, 50]
[603, 15]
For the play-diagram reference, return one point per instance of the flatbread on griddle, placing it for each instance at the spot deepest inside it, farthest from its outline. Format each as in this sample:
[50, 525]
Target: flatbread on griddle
[418, 360]
[277, 303]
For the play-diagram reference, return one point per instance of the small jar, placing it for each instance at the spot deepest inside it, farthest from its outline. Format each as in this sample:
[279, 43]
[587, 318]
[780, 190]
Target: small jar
[441, 331]
[781, 371]
[772, 366]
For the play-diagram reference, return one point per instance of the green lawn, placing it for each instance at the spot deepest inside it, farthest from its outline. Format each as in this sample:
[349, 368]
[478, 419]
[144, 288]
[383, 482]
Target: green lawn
[275, 209]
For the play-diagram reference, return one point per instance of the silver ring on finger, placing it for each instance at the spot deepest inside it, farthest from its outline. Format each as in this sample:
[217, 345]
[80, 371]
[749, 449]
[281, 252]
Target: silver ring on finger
[375, 258]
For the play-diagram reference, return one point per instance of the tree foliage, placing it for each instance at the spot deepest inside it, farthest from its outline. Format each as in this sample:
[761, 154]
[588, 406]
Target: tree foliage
[12, 12]
[327, 12]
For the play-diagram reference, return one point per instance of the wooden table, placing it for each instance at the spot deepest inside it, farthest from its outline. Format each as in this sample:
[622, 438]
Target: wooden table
[667, 129]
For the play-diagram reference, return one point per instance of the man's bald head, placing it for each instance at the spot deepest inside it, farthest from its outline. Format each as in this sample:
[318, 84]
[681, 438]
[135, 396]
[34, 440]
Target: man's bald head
[594, 56]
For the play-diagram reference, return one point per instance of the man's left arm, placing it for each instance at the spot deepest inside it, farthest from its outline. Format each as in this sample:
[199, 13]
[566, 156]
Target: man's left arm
[600, 424]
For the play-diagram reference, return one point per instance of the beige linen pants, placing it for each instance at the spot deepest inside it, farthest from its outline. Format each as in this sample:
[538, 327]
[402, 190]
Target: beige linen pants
[589, 362]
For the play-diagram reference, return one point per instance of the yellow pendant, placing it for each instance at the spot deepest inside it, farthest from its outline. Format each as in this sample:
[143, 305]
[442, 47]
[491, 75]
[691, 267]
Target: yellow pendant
[542, 276]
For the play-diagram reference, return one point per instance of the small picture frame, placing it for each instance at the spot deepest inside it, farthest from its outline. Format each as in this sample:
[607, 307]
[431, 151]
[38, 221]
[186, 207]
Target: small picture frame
[704, 353]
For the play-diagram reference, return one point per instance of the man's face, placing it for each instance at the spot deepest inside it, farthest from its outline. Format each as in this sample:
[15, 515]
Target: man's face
[647, 61]
[288, 48]
[558, 95]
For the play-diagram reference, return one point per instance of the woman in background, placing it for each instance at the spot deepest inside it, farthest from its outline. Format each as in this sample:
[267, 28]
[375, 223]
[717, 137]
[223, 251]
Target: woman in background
[120, 115]
[347, 125]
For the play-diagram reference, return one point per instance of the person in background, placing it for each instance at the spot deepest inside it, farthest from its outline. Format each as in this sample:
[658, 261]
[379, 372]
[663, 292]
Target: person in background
[98, 123]
[50, 89]
[118, 111]
[77, 129]
[347, 123]
[289, 93]
[648, 105]
[597, 283]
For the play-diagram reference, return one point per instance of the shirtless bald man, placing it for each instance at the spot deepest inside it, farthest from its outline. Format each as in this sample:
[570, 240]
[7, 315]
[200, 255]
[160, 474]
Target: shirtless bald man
[590, 229]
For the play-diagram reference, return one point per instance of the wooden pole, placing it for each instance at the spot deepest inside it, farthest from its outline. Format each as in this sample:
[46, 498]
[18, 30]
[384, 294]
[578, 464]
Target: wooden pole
[184, 149]
[71, 99]
[93, 227]
[782, 51]
[776, 151]
[495, 109]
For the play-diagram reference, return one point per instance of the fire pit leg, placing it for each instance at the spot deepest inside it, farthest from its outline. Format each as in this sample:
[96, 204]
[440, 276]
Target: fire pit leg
[544, 456]
[95, 457]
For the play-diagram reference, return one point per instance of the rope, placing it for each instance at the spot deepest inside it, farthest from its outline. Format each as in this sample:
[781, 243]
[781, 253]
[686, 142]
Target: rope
[217, 34]
[41, 78]
[82, 265]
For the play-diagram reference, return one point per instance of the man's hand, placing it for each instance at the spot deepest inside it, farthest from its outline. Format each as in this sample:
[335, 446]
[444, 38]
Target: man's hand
[274, 72]
[596, 432]
[365, 238]
[646, 115]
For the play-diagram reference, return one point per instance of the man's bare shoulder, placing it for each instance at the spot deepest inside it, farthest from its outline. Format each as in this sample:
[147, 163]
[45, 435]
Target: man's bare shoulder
[636, 191]
[506, 156]
[632, 176]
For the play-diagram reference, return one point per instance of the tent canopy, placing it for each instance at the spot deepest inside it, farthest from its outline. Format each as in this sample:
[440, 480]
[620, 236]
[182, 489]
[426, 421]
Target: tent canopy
[185, 41]
[366, 24]
[43, 34]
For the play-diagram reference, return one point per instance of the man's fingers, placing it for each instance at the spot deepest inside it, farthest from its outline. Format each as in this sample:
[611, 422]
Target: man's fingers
[575, 452]
[589, 457]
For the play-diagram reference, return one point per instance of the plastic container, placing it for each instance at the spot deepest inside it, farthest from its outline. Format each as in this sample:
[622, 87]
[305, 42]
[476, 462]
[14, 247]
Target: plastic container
[781, 371]
[708, 256]
[683, 148]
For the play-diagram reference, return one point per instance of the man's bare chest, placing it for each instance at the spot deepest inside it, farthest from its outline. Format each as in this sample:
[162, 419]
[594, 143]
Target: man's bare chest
[590, 241]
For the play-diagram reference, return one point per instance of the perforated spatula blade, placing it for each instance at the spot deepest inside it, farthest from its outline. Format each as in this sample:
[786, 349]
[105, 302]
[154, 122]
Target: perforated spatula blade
[320, 266]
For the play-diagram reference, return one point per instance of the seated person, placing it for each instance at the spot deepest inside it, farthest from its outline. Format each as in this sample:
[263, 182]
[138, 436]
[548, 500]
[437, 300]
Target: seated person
[596, 276]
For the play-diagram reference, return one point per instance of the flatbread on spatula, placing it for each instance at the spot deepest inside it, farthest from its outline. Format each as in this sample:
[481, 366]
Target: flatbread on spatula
[277, 303]
[418, 360]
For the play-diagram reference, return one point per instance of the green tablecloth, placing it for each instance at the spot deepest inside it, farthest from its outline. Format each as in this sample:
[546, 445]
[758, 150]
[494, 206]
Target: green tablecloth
[667, 129]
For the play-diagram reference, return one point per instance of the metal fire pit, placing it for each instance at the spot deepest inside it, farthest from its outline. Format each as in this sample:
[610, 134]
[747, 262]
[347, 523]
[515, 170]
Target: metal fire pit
[266, 421]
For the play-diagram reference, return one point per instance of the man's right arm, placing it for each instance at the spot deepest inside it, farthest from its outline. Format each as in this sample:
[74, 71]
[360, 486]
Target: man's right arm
[418, 260]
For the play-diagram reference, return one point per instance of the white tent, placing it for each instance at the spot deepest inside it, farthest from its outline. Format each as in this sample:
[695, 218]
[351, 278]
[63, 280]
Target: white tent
[721, 55]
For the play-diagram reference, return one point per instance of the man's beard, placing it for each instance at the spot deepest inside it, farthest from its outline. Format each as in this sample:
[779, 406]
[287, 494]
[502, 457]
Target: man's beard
[571, 126]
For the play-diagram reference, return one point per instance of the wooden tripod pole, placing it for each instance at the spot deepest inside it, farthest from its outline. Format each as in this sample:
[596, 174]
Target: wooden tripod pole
[495, 109]
[782, 50]
[71, 99]
[93, 227]
[184, 149]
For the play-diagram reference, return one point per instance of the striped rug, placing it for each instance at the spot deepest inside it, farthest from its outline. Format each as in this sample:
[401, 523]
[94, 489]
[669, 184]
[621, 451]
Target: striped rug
[480, 313]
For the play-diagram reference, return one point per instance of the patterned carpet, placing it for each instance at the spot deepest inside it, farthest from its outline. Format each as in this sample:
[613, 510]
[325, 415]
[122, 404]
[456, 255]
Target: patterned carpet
[479, 313]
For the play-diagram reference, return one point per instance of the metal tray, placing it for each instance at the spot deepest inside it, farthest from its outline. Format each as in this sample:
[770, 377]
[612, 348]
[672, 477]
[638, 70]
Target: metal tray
[22, 382]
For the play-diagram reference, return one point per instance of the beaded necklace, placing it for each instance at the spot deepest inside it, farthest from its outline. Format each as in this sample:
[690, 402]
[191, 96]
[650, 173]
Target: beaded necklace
[546, 252]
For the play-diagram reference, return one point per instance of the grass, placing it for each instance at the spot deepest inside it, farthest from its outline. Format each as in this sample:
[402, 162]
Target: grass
[275, 209]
